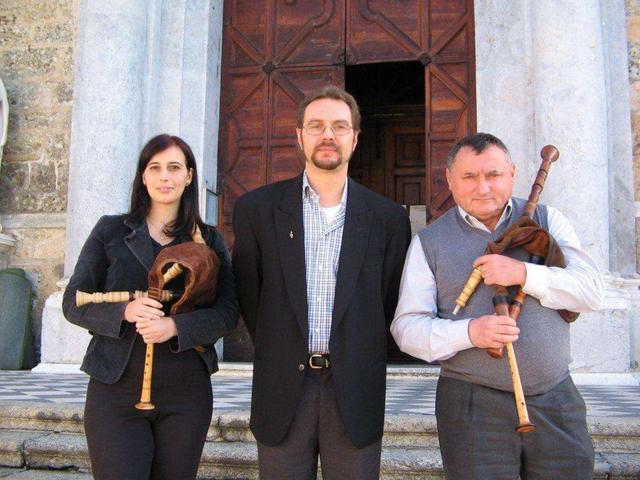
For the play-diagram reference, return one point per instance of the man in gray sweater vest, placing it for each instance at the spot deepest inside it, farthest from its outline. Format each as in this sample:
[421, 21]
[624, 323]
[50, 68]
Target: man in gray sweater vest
[475, 408]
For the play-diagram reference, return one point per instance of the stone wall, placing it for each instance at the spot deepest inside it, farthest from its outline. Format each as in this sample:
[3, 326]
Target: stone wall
[36, 65]
[633, 36]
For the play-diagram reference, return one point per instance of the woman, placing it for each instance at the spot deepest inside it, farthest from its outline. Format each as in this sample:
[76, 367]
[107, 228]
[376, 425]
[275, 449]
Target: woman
[164, 443]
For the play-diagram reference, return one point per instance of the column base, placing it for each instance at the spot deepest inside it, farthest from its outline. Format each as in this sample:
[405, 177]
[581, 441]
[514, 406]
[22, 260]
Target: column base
[62, 342]
[608, 341]
[7, 242]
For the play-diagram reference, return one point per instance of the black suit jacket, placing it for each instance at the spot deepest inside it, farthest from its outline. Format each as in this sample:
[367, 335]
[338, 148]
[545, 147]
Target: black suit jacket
[117, 256]
[269, 267]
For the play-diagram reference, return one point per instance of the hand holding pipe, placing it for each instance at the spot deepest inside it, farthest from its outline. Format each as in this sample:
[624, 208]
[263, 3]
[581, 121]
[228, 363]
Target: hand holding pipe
[145, 394]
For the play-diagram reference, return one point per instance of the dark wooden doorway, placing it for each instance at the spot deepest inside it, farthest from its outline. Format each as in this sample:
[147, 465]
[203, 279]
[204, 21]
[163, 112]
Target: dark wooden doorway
[276, 51]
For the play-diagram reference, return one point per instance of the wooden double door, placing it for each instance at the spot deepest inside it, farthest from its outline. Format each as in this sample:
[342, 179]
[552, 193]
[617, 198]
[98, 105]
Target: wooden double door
[276, 51]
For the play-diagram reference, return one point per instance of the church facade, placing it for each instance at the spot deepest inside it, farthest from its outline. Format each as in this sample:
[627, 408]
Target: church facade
[226, 77]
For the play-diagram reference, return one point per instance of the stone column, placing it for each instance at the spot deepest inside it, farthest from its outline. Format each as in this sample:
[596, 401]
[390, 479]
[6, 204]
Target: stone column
[108, 106]
[545, 75]
[570, 106]
[184, 87]
[185, 81]
[106, 132]
[622, 231]
[143, 67]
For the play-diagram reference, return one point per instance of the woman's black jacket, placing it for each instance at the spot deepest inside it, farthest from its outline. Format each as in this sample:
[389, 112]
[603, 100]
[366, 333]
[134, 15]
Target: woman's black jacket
[117, 256]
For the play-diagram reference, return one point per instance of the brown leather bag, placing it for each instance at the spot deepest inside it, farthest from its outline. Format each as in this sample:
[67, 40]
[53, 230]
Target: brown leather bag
[200, 266]
[526, 233]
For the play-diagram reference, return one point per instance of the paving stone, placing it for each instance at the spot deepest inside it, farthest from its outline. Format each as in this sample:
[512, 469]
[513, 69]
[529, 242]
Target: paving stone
[49, 475]
[41, 416]
[57, 450]
[615, 434]
[232, 393]
[12, 446]
[5, 472]
[622, 466]
[229, 461]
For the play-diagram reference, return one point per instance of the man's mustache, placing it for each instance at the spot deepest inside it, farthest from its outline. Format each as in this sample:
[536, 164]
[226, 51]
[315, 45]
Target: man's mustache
[326, 144]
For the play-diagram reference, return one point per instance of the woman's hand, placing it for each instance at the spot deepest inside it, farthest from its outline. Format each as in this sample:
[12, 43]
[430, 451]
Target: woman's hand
[157, 330]
[142, 309]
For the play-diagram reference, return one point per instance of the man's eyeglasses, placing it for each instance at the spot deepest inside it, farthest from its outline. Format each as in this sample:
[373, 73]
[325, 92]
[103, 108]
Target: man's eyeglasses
[319, 128]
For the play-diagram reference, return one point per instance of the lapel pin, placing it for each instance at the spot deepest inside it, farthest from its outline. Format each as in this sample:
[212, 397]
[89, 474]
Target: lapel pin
[290, 233]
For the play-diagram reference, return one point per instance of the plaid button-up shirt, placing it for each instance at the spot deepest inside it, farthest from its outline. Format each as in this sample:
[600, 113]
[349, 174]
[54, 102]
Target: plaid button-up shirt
[322, 243]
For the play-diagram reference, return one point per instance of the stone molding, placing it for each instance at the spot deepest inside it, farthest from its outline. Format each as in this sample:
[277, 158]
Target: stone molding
[7, 242]
[621, 293]
[34, 220]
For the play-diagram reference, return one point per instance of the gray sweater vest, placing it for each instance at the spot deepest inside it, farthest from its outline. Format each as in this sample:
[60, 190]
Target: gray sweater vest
[542, 350]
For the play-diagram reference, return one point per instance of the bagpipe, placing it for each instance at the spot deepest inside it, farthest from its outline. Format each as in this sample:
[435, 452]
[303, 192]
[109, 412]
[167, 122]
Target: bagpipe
[543, 250]
[198, 263]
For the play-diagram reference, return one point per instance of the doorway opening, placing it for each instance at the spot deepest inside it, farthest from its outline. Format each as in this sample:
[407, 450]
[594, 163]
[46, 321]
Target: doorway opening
[390, 158]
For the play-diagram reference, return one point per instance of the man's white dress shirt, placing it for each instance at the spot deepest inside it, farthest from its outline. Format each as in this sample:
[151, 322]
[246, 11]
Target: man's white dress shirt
[419, 332]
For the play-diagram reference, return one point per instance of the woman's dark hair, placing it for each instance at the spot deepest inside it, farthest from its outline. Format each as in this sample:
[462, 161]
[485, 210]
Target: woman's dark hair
[188, 215]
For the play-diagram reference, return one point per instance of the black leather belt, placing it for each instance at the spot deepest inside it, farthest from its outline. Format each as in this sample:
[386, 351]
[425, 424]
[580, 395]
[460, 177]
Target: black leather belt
[319, 360]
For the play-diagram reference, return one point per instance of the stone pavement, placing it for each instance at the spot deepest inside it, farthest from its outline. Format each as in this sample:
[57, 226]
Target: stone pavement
[404, 395]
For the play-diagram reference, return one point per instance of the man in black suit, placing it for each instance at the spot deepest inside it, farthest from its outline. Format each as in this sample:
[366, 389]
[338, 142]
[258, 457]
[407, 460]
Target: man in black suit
[318, 260]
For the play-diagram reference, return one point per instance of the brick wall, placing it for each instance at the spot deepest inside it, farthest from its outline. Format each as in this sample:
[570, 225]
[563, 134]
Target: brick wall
[36, 66]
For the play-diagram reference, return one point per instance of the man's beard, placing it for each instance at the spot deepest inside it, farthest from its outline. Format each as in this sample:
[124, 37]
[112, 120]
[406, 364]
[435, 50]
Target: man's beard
[328, 164]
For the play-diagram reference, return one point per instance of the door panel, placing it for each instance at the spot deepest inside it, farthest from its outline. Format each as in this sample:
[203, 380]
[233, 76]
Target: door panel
[274, 53]
[449, 93]
[258, 136]
[308, 33]
[383, 31]
[404, 164]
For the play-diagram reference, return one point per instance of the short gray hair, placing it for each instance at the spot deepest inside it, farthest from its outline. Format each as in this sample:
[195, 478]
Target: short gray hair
[479, 142]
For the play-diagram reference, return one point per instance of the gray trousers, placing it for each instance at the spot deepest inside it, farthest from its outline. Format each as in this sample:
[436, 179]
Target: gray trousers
[476, 429]
[317, 428]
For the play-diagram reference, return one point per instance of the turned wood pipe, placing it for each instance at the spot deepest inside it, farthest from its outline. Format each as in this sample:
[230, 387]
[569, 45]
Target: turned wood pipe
[549, 155]
[501, 304]
[83, 298]
[145, 395]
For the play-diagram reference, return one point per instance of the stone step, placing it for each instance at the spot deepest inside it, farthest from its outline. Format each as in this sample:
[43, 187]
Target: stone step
[24, 474]
[46, 435]
[42, 451]
[220, 460]
[610, 434]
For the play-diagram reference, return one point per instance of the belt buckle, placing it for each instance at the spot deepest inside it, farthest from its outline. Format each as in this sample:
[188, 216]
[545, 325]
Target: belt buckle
[317, 355]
